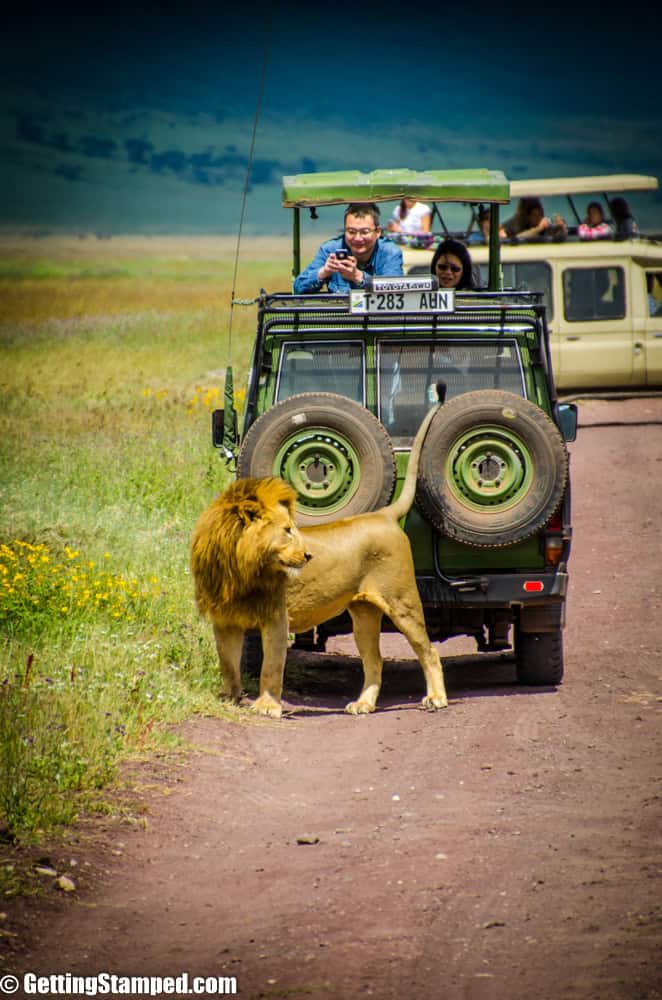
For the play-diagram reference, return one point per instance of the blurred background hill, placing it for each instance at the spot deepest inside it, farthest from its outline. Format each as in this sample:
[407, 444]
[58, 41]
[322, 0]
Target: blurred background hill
[139, 118]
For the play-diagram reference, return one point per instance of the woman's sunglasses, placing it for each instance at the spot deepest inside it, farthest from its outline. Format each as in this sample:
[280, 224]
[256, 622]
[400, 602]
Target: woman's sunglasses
[449, 267]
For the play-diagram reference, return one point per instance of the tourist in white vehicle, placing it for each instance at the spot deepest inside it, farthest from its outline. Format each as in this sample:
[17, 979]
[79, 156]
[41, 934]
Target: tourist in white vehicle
[530, 223]
[624, 220]
[594, 226]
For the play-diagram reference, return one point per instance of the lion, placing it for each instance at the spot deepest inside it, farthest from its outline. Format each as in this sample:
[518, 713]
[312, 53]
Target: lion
[244, 547]
[362, 564]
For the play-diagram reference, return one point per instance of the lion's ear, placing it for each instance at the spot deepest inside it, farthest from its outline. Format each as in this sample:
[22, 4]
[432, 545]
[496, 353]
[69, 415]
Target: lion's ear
[248, 510]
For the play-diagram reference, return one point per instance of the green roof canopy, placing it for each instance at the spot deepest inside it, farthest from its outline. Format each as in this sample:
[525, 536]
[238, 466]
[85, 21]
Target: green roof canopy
[346, 186]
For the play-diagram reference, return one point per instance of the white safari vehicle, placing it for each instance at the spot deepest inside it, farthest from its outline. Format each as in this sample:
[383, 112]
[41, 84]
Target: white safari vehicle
[603, 297]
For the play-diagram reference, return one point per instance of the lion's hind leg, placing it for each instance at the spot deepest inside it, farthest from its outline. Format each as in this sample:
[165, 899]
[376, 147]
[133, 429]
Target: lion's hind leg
[412, 625]
[229, 643]
[367, 621]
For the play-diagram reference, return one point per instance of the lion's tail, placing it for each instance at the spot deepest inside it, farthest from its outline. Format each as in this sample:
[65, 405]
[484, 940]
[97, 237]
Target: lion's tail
[401, 506]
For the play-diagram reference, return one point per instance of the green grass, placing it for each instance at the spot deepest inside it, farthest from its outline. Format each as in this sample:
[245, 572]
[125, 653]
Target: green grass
[106, 382]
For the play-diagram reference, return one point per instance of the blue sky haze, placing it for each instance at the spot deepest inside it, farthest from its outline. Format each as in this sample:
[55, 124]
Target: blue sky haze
[139, 118]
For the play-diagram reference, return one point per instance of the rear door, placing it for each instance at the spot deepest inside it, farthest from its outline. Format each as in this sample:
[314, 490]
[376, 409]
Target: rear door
[653, 326]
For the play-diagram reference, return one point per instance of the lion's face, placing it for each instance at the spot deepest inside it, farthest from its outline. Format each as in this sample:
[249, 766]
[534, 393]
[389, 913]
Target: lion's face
[271, 535]
[243, 549]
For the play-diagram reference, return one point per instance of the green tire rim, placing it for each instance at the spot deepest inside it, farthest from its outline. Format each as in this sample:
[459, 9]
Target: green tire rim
[323, 468]
[489, 467]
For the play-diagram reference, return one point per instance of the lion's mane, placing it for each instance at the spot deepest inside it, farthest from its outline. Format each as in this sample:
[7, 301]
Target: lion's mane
[232, 553]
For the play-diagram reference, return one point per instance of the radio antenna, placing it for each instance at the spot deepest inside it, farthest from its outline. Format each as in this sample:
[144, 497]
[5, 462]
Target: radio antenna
[265, 59]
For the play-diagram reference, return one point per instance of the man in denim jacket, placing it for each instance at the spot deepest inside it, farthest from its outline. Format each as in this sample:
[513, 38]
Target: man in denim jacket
[368, 254]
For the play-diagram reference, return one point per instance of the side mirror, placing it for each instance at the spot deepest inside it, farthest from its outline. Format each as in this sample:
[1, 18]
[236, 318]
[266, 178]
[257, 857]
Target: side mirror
[568, 421]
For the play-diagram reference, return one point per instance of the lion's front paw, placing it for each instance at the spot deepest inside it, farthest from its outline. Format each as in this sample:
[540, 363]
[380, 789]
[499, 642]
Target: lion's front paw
[432, 703]
[235, 698]
[359, 708]
[266, 705]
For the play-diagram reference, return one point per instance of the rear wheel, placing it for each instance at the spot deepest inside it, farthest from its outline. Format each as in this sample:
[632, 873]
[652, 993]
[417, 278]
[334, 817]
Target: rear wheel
[539, 657]
[334, 452]
[493, 469]
[251, 653]
[311, 641]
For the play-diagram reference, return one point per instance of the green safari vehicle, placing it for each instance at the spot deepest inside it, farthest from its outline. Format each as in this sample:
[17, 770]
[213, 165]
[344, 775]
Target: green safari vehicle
[338, 385]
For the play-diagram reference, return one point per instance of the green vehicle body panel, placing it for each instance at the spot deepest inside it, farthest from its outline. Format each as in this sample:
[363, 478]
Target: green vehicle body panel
[429, 547]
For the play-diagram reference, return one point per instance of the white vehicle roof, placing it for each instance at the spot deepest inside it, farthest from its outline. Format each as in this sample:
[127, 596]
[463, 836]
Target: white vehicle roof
[554, 186]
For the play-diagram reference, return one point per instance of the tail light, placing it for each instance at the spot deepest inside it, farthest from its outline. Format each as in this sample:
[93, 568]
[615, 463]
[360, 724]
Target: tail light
[553, 540]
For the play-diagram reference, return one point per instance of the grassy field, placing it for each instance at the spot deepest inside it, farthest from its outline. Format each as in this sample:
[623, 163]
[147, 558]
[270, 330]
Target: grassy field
[112, 355]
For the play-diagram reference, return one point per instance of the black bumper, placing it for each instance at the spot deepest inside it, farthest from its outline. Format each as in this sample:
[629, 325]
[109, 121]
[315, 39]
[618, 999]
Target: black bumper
[495, 590]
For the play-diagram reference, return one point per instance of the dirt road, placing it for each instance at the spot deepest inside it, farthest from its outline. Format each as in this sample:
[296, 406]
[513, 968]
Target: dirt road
[507, 848]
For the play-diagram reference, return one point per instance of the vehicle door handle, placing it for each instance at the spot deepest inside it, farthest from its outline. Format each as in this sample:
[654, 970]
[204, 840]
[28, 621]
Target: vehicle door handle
[658, 335]
[573, 338]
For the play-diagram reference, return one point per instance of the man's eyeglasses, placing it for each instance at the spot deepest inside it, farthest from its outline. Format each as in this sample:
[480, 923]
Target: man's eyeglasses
[360, 232]
[449, 267]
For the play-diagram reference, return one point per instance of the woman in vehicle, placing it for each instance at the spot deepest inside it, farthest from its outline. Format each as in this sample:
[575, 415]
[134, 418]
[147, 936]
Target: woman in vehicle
[453, 266]
[626, 226]
[530, 223]
[594, 226]
[410, 217]
[410, 224]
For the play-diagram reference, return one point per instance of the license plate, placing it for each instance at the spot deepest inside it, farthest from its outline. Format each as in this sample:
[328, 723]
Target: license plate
[401, 302]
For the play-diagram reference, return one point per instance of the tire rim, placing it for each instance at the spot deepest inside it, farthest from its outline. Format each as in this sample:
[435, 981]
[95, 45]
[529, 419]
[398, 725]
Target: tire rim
[489, 467]
[323, 468]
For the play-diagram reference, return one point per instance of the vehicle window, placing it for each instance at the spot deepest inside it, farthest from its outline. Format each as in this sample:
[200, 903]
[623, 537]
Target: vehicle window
[591, 293]
[408, 373]
[527, 276]
[654, 292]
[321, 367]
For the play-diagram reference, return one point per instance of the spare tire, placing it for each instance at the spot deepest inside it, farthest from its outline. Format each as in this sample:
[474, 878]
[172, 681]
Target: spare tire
[334, 452]
[493, 469]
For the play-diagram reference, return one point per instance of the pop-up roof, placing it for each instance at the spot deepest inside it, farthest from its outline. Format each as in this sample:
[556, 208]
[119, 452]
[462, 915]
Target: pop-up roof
[551, 186]
[347, 186]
